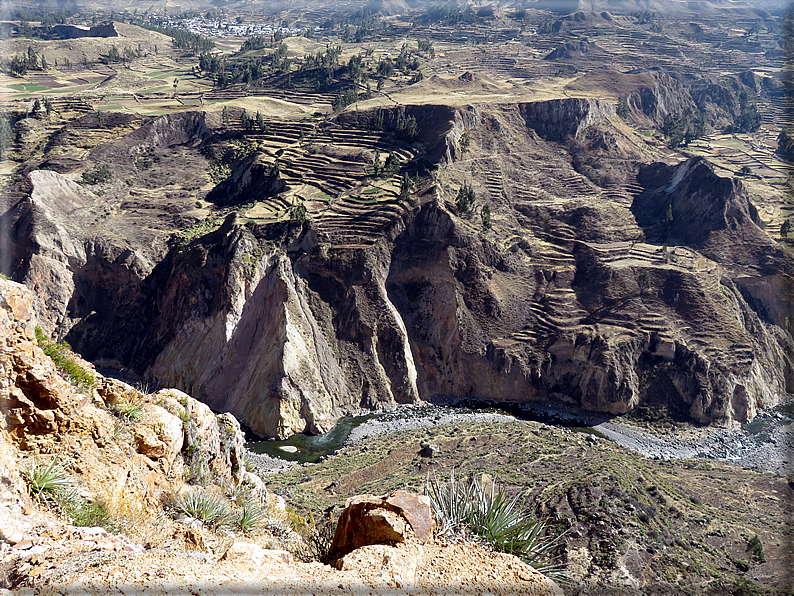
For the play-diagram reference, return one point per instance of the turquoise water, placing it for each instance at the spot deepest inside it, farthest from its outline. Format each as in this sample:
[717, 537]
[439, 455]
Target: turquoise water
[311, 447]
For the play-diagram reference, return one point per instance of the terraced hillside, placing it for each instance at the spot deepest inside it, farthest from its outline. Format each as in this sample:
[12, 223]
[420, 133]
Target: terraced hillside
[578, 286]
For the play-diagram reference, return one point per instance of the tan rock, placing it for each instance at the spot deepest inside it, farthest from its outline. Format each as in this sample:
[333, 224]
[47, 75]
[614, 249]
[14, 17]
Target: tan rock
[254, 557]
[232, 446]
[257, 487]
[368, 519]
[395, 566]
[113, 391]
[147, 442]
[416, 510]
[168, 429]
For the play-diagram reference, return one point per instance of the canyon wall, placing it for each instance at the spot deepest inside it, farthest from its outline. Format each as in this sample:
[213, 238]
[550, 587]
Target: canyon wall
[574, 297]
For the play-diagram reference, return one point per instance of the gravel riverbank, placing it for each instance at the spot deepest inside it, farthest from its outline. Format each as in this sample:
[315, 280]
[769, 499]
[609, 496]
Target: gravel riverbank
[421, 416]
[769, 451]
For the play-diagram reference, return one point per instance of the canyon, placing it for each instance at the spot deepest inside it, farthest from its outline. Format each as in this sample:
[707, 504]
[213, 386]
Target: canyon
[437, 215]
[580, 293]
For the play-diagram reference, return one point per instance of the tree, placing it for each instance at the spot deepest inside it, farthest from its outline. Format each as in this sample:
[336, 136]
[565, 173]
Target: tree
[667, 221]
[464, 201]
[48, 105]
[344, 99]
[19, 65]
[6, 135]
[225, 116]
[623, 107]
[376, 163]
[98, 175]
[297, 212]
[386, 67]
[674, 128]
[785, 228]
[750, 117]
[406, 186]
[406, 127]
[785, 143]
[464, 142]
[644, 281]
[33, 58]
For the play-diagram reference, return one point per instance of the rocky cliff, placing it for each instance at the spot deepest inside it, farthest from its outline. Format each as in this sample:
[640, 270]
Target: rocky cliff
[653, 95]
[578, 293]
[134, 459]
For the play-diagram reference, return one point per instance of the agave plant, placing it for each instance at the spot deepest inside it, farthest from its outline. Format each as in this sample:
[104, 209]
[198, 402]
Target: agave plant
[249, 517]
[452, 504]
[209, 508]
[48, 479]
[490, 514]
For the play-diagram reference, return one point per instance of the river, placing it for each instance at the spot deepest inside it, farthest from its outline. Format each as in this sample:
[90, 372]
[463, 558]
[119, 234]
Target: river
[766, 443]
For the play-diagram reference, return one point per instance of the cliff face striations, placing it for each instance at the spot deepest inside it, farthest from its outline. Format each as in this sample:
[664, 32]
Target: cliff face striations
[650, 284]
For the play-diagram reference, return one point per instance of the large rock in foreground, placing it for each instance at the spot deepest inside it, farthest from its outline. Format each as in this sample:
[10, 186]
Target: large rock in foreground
[388, 519]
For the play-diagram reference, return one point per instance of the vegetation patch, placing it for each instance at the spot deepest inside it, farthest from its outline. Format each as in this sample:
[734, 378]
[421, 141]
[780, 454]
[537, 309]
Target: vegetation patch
[61, 355]
[491, 515]
[98, 175]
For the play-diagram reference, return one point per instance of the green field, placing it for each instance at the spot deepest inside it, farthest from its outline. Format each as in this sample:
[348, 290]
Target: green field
[29, 87]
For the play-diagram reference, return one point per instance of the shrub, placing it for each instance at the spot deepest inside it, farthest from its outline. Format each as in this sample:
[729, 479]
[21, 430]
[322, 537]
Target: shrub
[89, 514]
[132, 410]
[318, 539]
[488, 513]
[210, 509]
[755, 549]
[60, 356]
[98, 175]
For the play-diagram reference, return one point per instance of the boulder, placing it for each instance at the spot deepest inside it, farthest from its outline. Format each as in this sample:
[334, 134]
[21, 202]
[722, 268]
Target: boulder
[167, 428]
[388, 519]
[147, 442]
[429, 450]
[113, 391]
[257, 487]
[253, 557]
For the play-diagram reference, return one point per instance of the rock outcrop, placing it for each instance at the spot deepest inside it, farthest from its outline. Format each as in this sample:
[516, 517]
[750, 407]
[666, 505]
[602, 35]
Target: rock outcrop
[558, 119]
[392, 518]
[124, 444]
[651, 96]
